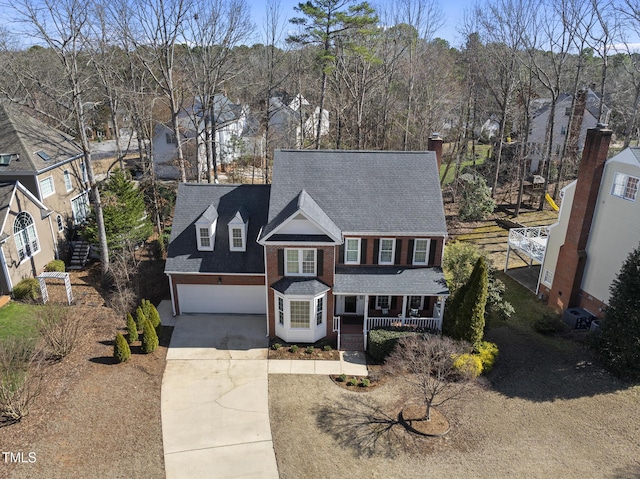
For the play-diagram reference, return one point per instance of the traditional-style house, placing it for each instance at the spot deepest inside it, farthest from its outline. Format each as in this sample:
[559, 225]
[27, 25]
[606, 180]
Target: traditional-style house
[341, 241]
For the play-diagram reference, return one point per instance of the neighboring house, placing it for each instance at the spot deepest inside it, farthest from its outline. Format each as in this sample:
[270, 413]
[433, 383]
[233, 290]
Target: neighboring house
[598, 226]
[48, 165]
[341, 240]
[230, 122]
[586, 112]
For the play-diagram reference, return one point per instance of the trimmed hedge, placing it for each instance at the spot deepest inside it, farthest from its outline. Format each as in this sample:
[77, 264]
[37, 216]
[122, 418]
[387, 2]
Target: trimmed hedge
[27, 289]
[55, 266]
[121, 350]
[382, 341]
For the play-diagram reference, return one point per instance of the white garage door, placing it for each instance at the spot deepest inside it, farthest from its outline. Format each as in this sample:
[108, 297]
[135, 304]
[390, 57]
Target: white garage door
[205, 298]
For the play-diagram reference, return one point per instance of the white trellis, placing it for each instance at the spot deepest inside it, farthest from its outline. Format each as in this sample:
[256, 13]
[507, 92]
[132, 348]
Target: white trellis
[54, 275]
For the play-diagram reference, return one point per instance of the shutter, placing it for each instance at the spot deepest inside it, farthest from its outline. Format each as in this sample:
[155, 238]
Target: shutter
[410, 251]
[363, 251]
[372, 302]
[432, 251]
[394, 302]
[398, 259]
[341, 254]
[280, 262]
[320, 262]
[376, 250]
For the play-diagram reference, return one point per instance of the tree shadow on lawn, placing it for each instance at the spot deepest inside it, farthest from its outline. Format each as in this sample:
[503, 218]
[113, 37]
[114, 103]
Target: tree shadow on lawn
[537, 368]
[367, 429]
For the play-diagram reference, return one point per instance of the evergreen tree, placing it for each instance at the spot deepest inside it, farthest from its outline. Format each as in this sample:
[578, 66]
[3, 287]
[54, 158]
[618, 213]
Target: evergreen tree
[154, 318]
[121, 350]
[476, 202]
[132, 327]
[124, 213]
[149, 337]
[470, 317]
[619, 340]
[146, 308]
[140, 318]
[451, 311]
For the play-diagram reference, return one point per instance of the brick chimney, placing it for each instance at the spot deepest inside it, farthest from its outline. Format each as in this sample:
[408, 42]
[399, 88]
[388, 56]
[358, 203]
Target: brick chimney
[434, 143]
[575, 127]
[573, 256]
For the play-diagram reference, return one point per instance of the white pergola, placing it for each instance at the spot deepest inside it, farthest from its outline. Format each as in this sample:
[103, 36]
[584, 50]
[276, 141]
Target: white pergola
[54, 275]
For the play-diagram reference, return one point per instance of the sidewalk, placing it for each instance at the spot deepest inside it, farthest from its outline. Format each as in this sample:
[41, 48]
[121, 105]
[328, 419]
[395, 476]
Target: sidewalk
[352, 363]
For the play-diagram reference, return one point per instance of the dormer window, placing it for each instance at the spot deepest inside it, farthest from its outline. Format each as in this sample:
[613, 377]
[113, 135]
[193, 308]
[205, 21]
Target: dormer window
[238, 232]
[206, 229]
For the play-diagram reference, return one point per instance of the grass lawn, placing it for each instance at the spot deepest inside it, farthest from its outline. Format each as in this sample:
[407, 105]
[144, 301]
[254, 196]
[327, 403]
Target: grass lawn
[18, 319]
[481, 155]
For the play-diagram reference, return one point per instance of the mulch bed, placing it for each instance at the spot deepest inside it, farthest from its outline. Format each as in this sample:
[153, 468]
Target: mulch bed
[301, 354]
[412, 418]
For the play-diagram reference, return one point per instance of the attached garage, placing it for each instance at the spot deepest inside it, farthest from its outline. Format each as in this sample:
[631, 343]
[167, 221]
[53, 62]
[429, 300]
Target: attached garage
[221, 298]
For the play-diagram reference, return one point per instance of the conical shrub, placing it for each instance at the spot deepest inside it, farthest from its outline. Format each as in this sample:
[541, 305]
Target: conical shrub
[140, 318]
[146, 308]
[132, 327]
[154, 318]
[121, 350]
[149, 338]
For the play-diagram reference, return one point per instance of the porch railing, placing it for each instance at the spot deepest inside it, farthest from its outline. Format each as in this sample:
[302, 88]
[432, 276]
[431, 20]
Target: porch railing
[427, 323]
[336, 327]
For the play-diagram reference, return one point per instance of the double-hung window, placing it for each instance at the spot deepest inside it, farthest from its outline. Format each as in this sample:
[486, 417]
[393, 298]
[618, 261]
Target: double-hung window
[205, 238]
[281, 311]
[352, 251]
[420, 251]
[382, 302]
[46, 186]
[300, 262]
[319, 311]
[387, 250]
[68, 185]
[625, 186]
[26, 238]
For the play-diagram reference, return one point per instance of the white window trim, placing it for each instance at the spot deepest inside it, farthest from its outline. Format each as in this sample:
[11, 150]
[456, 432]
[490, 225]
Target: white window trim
[625, 181]
[547, 277]
[53, 186]
[421, 306]
[357, 261]
[300, 261]
[378, 307]
[243, 236]
[415, 249]
[68, 182]
[83, 170]
[313, 306]
[393, 251]
[208, 228]
[86, 202]
[32, 237]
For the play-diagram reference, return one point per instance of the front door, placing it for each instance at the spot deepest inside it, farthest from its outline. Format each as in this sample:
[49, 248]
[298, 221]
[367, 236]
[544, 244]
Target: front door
[350, 304]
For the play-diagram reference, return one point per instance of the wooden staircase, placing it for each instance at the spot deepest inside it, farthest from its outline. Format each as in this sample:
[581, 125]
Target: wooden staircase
[79, 255]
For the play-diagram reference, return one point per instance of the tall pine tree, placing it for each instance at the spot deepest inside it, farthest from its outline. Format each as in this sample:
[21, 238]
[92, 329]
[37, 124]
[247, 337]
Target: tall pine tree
[619, 341]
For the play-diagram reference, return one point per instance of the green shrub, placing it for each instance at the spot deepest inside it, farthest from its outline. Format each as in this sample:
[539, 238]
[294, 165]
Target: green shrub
[132, 327]
[365, 383]
[140, 318]
[55, 266]
[327, 347]
[276, 346]
[27, 289]
[121, 350]
[294, 348]
[309, 350]
[469, 364]
[342, 378]
[487, 352]
[382, 342]
[352, 382]
[145, 304]
[149, 338]
[154, 317]
[549, 324]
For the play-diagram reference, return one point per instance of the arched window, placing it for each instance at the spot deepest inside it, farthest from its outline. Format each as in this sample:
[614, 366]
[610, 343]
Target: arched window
[60, 223]
[24, 233]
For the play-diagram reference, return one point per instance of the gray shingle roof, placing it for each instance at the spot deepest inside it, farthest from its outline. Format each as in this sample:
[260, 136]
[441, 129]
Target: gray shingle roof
[192, 201]
[24, 135]
[300, 286]
[362, 191]
[6, 191]
[383, 280]
[307, 205]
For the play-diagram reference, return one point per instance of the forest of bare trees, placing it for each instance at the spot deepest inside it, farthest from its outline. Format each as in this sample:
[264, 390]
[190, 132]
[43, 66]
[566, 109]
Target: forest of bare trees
[381, 71]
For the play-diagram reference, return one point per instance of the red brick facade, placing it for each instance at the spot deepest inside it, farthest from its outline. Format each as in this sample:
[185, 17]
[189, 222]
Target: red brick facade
[327, 277]
[572, 257]
[405, 257]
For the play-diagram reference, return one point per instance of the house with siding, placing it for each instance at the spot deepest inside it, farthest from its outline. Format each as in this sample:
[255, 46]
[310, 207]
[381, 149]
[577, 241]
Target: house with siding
[340, 242]
[44, 195]
[598, 226]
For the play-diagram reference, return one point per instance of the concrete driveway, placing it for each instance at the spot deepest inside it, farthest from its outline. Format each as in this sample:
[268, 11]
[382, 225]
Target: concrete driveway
[215, 407]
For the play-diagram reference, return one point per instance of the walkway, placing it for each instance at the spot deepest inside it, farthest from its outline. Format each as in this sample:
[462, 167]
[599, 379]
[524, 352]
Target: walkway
[215, 402]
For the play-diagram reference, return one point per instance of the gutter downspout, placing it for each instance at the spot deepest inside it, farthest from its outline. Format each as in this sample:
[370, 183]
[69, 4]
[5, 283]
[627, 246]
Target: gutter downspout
[5, 269]
[266, 282]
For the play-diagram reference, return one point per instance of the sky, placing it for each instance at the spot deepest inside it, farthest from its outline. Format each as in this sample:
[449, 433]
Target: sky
[453, 12]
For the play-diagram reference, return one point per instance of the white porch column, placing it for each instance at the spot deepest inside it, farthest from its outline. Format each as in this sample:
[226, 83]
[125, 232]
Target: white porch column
[404, 308]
